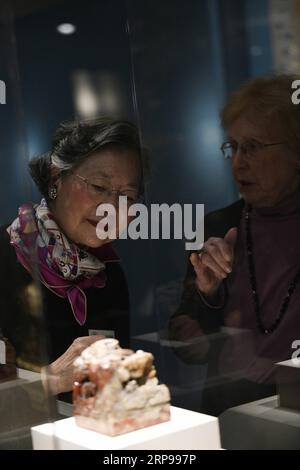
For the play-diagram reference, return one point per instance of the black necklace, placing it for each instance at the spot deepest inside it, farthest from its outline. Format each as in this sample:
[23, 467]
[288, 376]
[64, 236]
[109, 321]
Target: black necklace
[284, 306]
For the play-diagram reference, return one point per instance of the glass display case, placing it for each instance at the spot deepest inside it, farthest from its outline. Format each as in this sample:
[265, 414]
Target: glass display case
[169, 68]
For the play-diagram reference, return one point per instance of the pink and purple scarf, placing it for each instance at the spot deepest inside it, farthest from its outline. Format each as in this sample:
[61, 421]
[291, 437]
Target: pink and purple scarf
[63, 267]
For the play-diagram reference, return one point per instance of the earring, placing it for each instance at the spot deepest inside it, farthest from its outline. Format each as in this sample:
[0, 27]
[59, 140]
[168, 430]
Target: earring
[53, 193]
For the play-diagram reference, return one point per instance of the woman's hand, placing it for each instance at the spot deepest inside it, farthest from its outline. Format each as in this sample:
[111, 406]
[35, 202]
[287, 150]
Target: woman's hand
[214, 263]
[58, 377]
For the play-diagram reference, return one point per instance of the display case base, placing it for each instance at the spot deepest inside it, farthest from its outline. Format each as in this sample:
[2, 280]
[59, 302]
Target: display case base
[186, 430]
[288, 384]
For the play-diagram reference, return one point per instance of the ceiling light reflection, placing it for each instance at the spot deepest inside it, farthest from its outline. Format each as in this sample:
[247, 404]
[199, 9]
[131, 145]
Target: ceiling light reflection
[66, 28]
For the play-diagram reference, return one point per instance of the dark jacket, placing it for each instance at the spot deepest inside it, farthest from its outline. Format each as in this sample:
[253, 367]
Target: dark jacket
[216, 224]
[196, 319]
[49, 327]
[38, 327]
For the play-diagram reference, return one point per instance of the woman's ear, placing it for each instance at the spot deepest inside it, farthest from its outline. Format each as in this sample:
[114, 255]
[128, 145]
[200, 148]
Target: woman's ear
[58, 183]
[55, 183]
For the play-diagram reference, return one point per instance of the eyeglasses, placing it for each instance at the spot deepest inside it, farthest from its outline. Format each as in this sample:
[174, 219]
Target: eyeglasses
[250, 148]
[102, 194]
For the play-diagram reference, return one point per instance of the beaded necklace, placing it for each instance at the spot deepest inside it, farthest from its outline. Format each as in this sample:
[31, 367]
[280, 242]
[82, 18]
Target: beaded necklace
[266, 330]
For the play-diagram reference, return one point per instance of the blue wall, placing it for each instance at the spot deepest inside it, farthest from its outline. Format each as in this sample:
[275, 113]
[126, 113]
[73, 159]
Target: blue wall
[176, 63]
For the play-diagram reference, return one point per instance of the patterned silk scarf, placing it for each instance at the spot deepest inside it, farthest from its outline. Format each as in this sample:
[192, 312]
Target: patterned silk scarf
[63, 267]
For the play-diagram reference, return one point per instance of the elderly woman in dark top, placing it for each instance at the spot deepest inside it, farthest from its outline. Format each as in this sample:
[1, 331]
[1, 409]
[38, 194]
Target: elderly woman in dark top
[83, 287]
[246, 277]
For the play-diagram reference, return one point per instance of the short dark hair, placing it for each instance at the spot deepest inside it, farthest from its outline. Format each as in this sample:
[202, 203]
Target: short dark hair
[74, 141]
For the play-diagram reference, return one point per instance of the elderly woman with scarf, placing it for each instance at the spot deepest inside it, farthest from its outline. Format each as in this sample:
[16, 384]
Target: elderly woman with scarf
[239, 312]
[83, 288]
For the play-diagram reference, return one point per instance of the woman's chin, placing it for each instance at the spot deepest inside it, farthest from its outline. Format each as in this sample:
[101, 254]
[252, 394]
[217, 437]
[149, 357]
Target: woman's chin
[89, 239]
[95, 242]
[252, 199]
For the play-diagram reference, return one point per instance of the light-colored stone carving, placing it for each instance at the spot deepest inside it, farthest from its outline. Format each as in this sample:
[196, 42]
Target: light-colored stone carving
[116, 390]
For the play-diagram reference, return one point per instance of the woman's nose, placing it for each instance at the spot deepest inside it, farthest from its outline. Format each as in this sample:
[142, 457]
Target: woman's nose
[239, 158]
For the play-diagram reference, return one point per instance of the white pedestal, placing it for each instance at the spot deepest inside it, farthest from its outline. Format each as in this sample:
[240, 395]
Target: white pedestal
[288, 383]
[260, 425]
[186, 430]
